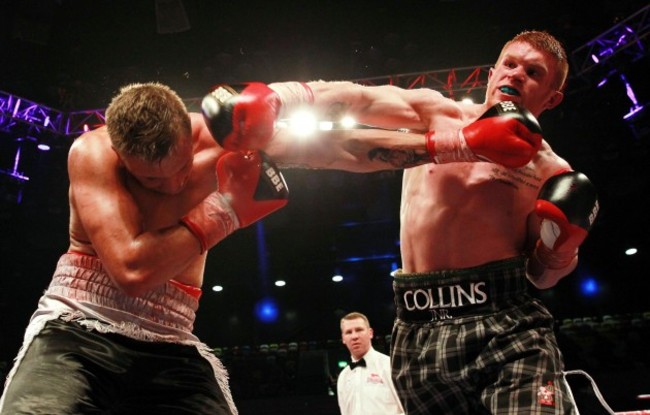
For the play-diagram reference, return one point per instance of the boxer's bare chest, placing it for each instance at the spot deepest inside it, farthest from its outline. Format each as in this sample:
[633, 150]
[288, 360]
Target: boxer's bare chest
[161, 210]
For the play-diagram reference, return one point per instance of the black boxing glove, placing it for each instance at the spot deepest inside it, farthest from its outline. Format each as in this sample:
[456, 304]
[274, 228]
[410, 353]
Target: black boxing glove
[567, 206]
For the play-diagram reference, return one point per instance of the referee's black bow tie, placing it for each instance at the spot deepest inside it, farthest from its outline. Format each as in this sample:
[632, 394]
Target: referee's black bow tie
[360, 362]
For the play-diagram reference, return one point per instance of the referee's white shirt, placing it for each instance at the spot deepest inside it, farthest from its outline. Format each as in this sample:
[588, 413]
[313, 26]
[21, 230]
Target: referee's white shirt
[368, 390]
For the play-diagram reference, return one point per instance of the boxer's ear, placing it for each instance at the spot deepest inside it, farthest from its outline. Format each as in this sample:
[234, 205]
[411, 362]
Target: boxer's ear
[554, 100]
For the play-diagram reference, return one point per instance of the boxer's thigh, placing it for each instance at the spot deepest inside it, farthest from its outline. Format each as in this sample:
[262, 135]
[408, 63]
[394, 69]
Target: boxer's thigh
[51, 378]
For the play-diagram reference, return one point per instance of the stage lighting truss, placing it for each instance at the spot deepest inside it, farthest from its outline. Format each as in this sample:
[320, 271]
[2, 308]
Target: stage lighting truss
[79, 122]
[15, 111]
[629, 38]
[625, 43]
[455, 83]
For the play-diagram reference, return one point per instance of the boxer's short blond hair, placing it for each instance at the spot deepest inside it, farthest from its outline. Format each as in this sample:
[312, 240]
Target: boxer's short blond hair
[147, 120]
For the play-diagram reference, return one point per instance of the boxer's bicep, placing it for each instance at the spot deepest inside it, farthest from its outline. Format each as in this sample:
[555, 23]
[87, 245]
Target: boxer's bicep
[105, 210]
[383, 106]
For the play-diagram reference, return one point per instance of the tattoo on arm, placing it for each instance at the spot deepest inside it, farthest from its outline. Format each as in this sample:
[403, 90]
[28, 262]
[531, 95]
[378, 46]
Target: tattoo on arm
[399, 158]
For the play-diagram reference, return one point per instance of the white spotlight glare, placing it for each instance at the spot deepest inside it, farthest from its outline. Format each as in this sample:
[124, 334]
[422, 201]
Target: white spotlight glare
[325, 125]
[348, 122]
[217, 288]
[280, 283]
[337, 278]
[631, 251]
[303, 123]
[467, 101]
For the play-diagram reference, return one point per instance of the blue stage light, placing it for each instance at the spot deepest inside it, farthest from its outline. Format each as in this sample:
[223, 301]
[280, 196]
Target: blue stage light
[266, 310]
[589, 287]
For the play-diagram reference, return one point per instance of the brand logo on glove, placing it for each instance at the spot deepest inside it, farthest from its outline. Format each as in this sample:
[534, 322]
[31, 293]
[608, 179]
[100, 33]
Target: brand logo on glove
[274, 188]
[223, 93]
[508, 106]
[594, 213]
[275, 179]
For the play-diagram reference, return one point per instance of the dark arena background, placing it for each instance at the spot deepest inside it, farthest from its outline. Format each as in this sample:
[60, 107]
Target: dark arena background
[62, 61]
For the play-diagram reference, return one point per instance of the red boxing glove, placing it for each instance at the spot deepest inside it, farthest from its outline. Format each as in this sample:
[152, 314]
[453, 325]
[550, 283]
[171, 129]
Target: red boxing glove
[241, 117]
[567, 206]
[252, 184]
[506, 134]
[250, 188]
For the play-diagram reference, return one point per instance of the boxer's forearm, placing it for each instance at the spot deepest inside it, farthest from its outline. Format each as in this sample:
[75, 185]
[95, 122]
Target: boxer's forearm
[150, 260]
[386, 106]
[356, 150]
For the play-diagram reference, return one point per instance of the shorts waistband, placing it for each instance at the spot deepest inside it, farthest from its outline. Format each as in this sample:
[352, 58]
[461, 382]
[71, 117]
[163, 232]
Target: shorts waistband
[449, 294]
[81, 279]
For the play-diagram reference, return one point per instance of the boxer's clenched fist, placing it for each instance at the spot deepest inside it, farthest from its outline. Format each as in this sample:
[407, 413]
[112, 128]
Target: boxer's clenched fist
[506, 134]
[250, 188]
[567, 206]
[241, 117]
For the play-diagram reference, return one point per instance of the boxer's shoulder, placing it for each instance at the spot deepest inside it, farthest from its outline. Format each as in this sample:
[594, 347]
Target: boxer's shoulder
[91, 155]
[94, 143]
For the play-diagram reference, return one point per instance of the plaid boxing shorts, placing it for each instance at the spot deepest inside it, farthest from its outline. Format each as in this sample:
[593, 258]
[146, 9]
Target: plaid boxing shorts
[473, 341]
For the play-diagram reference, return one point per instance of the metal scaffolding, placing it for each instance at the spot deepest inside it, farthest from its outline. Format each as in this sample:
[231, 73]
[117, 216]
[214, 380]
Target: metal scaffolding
[627, 41]
[14, 110]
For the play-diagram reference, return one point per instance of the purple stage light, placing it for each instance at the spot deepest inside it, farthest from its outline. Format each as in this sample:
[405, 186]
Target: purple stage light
[636, 107]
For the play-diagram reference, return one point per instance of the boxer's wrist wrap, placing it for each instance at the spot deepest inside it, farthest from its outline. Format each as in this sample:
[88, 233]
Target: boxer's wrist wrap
[446, 149]
[553, 259]
[211, 221]
[292, 94]
[196, 231]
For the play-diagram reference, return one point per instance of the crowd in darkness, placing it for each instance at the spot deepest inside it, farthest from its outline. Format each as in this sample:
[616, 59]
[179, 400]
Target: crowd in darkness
[611, 348]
